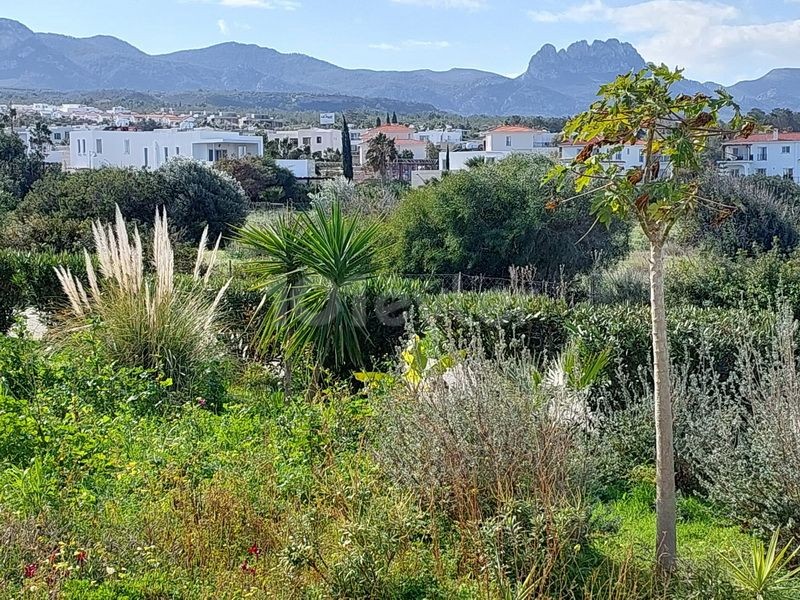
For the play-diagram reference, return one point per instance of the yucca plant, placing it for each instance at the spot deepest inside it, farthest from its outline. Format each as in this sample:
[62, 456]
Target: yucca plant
[149, 321]
[312, 269]
[767, 572]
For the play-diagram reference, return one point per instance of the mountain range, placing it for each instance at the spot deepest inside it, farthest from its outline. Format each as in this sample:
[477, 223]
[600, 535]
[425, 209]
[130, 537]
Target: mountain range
[556, 82]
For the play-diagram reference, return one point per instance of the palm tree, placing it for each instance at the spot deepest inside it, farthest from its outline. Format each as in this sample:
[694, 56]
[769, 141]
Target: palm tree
[381, 152]
[311, 269]
[40, 136]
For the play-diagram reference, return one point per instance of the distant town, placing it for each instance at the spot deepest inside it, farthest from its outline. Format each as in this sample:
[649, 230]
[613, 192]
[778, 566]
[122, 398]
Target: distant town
[86, 137]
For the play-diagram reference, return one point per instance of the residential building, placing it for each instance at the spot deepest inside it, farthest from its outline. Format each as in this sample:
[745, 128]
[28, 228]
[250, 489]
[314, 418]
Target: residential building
[628, 157]
[773, 154]
[318, 139]
[440, 137]
[402, 135]
[95, 148]
[516, 138]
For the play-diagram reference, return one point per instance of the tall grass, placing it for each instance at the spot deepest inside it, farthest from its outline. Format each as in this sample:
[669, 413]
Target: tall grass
[153, 321]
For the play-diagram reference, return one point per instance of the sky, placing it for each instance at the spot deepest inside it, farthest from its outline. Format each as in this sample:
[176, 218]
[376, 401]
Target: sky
[715, 40]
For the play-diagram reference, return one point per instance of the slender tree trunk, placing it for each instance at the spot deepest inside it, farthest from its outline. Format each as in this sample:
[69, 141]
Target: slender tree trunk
[666, 539]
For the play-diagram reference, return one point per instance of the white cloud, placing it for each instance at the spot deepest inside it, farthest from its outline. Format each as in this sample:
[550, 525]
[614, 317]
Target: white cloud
[462, 4]
[406, 44]
[712, 39]
[223, 27]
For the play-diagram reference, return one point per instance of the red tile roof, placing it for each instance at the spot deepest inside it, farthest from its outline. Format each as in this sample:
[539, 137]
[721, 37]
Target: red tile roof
[789, 136]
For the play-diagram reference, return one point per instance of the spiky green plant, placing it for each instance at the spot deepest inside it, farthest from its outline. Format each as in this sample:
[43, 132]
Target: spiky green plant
[767, 572]
[155, 322]
[319, 262]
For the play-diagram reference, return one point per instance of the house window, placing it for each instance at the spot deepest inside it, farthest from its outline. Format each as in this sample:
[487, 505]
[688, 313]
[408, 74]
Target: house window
[242, 151]
[788, 173]
[508, 141]
[126, 146]
[306, 141]
[56, 136]
[786, 149]
[82, 146]
[145, 158]
[319, 139]
[98, 146]
[177, 151]
[761, 171]
[641, 156]
[618, 156]
[166, 153]
[762, 153]
[210, 155]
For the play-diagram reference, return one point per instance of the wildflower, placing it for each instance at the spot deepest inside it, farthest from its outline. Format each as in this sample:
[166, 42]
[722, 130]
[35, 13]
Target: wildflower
[80, 557]
[30, 570]
[254, 550]
[201, 402]
[246, 568]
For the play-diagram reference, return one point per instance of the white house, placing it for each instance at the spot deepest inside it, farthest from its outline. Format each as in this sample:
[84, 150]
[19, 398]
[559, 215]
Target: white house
[317, 139]
[773, 154]
[626, 158]
[440, 136]
[95, 148]
[515, 138]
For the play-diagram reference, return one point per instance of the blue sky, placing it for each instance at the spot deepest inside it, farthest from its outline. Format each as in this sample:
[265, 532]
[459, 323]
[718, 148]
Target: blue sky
[719, 40]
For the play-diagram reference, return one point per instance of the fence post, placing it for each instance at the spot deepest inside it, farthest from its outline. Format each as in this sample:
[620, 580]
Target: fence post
[459, 282]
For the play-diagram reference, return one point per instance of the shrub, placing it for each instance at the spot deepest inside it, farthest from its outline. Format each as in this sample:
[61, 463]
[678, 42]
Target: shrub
[201, 197]
[28, 279]
[745, 214]
[262, 179]
[165, 325]
[482, 221]
[58, 212]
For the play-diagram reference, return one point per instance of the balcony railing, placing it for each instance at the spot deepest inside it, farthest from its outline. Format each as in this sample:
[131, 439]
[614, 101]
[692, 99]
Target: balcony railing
[735, 157]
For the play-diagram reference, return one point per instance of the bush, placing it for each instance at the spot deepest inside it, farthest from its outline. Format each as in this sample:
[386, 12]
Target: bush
[763, 281]
[262, 179]
[482, 221]
[200, 197]
[746, 214]
[58, 212]
[28, 279]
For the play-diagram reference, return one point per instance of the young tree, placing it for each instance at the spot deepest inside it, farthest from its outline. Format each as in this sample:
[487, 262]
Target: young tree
[40, 137]
[347, 151]
[378, 122]
[381, 152]
[672, 131]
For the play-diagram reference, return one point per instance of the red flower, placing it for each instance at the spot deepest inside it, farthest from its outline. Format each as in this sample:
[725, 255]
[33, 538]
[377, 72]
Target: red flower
[30, 570]
[254, 550]
[247, 568]
[80, 557]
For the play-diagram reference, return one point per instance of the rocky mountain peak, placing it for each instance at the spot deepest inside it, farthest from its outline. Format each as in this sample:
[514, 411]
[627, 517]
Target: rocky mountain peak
[610, 56]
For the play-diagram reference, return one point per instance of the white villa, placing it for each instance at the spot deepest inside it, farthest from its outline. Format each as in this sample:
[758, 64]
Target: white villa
[627, 158]
[773, 154]
[503, 141]
[319, 139]
[95, 148]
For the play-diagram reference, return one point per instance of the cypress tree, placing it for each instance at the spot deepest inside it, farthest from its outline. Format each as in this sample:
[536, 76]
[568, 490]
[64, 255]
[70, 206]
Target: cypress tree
[388, 118]
[378, 122]
[394, 118]
[347, 151]
[447, 159]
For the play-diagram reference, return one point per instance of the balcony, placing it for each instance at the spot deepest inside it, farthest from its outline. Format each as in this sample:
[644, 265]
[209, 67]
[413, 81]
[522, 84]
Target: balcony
[739, 158]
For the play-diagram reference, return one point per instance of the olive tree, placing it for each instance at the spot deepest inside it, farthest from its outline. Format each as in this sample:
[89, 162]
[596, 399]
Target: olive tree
[672, 132]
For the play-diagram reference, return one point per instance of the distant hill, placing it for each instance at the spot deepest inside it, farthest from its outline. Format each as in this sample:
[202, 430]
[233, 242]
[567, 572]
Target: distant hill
[556, 82]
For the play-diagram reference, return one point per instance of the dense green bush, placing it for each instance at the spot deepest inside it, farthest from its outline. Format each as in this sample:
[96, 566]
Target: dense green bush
[763, 281]
[262, 179]
[198, 196]
[28, 279]
[745, 214]
[482, 221]
[57, 214]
